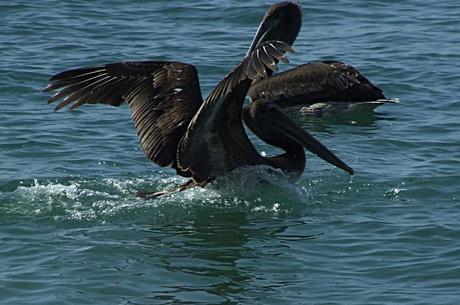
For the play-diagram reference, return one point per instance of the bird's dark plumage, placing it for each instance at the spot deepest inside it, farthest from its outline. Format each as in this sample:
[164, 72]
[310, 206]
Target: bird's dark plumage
[200, 139]
[163, 97]
[317, 82]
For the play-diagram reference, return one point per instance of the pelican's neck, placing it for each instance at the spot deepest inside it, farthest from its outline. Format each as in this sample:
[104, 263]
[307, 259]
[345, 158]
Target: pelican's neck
[292, 162]
[265, 124]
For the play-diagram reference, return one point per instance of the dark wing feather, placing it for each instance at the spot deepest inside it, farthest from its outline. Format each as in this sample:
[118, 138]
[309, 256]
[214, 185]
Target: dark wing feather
[282, 22]
[162, 96]
[216, 141]
[316, 82]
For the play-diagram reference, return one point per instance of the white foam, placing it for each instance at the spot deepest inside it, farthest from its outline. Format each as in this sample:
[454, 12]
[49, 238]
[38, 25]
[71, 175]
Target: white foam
[251, 189]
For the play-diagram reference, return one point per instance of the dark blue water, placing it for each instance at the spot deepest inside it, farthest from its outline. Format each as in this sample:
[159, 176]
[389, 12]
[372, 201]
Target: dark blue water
[72, 231]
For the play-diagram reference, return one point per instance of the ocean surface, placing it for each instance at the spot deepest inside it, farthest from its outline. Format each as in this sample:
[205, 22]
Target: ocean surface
[73, 232]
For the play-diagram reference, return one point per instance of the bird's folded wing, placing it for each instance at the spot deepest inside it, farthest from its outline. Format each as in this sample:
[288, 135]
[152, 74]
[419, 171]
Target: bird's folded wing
[362, 90]
[162, 96]
[315, 82]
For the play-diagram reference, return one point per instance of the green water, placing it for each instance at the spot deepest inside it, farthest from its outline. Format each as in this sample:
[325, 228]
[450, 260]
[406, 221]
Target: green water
[72, 231]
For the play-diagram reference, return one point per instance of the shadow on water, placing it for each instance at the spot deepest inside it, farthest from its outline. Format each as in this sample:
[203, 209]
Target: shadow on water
[361, 119]
[209, 254]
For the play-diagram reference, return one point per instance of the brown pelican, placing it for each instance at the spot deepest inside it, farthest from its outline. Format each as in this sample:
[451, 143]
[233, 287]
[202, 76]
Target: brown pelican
[201, 139]
[323, 87]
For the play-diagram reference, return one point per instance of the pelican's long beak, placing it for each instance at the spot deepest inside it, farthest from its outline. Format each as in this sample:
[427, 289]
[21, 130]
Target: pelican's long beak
[281, 122]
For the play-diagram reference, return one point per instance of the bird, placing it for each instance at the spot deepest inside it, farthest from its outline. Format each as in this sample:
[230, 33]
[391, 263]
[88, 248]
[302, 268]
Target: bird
[320, 88]
[201, 139]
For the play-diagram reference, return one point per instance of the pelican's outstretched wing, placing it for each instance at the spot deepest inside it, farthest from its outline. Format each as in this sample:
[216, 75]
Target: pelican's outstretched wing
[215, 141]
[163, 97]
[282, 22]
[316, 82]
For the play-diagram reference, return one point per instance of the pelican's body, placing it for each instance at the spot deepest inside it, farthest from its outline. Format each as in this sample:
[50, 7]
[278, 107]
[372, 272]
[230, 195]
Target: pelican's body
[320, 87]
[201, 139]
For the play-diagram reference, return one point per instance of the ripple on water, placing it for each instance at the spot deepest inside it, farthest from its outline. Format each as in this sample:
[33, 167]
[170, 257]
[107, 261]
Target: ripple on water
[388, 236]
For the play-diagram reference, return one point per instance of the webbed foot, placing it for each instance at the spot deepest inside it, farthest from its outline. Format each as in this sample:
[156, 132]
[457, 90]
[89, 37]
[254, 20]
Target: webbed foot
[187, 185]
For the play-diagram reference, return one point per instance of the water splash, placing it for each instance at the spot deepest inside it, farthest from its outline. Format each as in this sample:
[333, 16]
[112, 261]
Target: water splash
[77, 199]
[258, 190]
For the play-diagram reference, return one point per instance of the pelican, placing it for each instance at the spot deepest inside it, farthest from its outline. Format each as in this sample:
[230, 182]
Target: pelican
[326, 87]
[201, 140]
